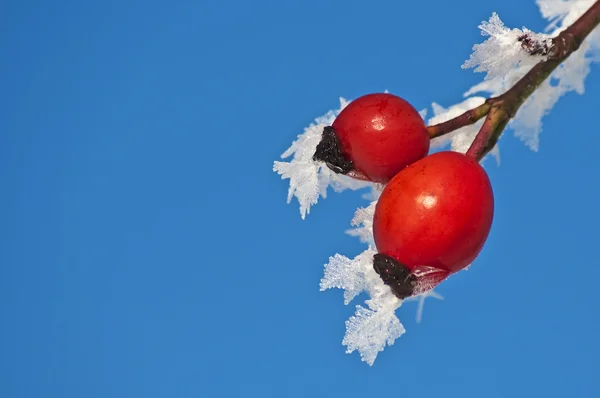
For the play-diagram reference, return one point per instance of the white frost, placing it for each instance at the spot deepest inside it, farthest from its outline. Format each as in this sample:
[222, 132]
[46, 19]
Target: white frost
[350, 275]
[501, 54]
[370, 329]
[562, 13]
[363, 224]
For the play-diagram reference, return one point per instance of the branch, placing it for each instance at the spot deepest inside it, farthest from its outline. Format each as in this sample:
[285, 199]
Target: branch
[469, 117]
[499, 110]
[489, 133]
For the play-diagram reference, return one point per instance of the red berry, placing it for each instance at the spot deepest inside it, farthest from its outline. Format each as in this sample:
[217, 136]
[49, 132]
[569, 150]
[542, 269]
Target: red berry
[381, 134]
[437, 212]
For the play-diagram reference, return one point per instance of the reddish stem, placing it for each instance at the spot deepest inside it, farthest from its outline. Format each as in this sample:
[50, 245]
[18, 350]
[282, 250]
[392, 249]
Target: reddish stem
[469, 117]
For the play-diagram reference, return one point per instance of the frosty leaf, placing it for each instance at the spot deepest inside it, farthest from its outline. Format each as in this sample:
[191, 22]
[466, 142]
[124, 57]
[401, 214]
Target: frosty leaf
[309, 179]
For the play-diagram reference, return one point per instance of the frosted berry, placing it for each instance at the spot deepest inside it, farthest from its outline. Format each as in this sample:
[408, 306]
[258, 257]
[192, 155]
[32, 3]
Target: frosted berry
[433, 219]
[374, 137]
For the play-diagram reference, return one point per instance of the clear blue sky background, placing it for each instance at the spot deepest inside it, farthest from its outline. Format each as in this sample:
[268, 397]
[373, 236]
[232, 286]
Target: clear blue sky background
[147, 249]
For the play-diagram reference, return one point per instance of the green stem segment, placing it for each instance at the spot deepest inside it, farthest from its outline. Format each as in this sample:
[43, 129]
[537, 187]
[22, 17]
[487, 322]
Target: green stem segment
[499, 110]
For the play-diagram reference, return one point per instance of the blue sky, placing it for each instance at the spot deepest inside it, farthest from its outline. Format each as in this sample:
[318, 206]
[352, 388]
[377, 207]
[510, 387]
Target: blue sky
[147, 249]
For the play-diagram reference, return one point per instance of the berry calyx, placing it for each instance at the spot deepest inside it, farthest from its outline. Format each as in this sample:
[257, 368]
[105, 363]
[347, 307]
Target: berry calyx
[329, 151]
[437, 213]
[375, 137]
[403, 281]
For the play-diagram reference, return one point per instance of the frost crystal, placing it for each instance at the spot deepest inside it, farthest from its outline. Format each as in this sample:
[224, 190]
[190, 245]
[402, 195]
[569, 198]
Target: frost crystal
[503, 53]
[363, 223]
[373, 327]
[350, 275]
[370, 329]
[310, 179]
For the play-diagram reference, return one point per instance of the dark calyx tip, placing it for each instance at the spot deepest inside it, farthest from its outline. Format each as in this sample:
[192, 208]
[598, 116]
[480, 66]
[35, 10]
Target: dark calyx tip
[396, 275]
[329, 151]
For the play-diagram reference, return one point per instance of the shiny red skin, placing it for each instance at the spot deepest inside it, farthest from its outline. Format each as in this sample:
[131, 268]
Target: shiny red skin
[381, 134]
[437, 212]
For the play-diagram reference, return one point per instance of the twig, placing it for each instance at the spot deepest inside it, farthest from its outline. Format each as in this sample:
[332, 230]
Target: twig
[492, 127]
[469, 117]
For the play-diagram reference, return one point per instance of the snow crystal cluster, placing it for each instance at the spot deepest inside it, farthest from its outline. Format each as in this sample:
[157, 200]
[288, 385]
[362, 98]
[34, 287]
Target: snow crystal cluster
[504, 61]
[373, 327]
